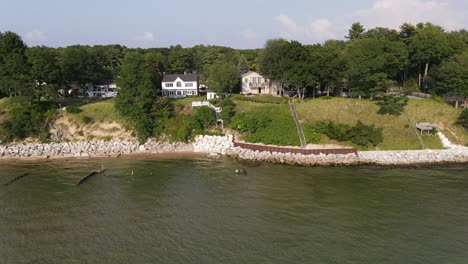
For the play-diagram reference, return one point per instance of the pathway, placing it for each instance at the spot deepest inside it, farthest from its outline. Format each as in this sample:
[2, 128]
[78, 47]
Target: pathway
[300, 131]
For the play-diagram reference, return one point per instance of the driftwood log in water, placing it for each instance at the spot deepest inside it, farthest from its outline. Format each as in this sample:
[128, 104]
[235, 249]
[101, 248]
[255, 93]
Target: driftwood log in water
[91, 175]
[15, 179]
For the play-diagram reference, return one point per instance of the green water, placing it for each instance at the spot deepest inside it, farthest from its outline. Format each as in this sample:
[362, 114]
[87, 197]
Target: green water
[196, 210]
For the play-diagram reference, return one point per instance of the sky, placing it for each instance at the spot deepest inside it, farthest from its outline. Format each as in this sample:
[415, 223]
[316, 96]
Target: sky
[242, 24]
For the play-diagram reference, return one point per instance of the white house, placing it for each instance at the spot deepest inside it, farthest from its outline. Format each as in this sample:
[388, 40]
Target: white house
[103, 88]
[254, 83]
[180, 85]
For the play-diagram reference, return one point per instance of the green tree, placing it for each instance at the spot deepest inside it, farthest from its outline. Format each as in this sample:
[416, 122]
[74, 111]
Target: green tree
[80, 66]
[272, 59]
[179, 60]
[374, 64]
[14, 69]
[45, 71]
[242, 66]
[463, 118]
[137, 95]
[328, 64]
[355, 31]
[451, 76]
[382, 33]
[429, 45]
[222, 78]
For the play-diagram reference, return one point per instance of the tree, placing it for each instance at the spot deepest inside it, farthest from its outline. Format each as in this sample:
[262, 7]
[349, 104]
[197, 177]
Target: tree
[14, 69]
[45, 71]
[328, 65]
[381, 33]
[222, 77]
[242, 66]
[373, 64]
[463, 118]
[355, 31]
[137, 94]
[429, 45]
[297, 67]
[286, 62]
[272, 59]
[179, 60]
[80, 66]
[451, 76]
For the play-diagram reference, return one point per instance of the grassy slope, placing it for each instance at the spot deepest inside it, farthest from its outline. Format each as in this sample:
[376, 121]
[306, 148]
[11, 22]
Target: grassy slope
[101, 111]
[396, 131]
[281, 130]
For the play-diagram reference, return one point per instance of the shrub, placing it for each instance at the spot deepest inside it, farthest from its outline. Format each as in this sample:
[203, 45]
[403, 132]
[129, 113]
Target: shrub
[364, 135]
[463, 118]
[311, 135]
[392, 105]
[27, 120]
[86, 119]
[360, 134]
[73, 110]
[248, 123]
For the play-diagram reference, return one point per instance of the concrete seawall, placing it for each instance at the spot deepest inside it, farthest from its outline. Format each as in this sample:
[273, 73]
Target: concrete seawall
[224, 145]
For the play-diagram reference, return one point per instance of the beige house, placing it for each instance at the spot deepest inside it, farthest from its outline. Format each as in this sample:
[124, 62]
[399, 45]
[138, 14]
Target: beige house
[254, 83]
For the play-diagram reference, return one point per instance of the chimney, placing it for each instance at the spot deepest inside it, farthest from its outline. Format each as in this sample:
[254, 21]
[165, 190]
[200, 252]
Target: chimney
[185, 73]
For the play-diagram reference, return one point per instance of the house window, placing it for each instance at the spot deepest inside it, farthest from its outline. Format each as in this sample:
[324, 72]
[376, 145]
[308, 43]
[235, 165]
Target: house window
[188, 84]
[246, 80]
[179, 84]
[169, 85]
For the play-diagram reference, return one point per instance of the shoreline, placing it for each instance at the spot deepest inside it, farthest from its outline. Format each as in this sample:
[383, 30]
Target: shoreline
[222, 145]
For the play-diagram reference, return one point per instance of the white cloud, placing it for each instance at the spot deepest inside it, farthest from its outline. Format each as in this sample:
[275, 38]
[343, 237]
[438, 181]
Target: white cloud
[291, 26]
[382, 13]
[249, 35]
[147, 37]
[35, 35]
[321, 29]
[393, 13]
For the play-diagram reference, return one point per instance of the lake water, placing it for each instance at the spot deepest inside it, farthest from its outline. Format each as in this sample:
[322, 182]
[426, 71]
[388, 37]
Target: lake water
[196, 210]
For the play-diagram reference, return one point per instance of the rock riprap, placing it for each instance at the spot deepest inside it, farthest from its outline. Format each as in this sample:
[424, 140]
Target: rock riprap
[224, 145]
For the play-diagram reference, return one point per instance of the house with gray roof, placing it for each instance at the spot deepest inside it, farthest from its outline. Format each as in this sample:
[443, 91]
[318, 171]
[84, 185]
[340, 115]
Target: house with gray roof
[180, 85]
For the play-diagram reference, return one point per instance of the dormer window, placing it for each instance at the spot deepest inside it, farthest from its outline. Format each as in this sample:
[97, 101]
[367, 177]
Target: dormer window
[179, 84]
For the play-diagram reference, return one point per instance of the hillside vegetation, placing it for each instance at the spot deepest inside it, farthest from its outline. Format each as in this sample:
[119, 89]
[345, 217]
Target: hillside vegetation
[397, 133]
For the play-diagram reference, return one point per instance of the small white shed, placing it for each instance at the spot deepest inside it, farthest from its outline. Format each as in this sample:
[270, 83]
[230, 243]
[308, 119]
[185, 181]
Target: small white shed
[210, 95]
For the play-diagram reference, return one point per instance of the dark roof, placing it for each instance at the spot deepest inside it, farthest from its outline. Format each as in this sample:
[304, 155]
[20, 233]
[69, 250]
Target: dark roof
[190, 77]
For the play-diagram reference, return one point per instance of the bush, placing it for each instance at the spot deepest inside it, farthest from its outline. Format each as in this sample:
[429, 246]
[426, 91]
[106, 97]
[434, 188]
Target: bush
[392, 105]
[311, 135]
[463, 119]
[364, 135]
[86, 119]
[360, 134]
[248, 123]
[229, 110]
[73, 110]
[27, 119]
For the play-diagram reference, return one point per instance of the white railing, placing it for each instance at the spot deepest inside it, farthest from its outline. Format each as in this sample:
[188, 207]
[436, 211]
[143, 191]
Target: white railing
[199, 104]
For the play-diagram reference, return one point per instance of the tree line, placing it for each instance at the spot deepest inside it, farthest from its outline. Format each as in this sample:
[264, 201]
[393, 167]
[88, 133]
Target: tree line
[422, 57]
[40, 72]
